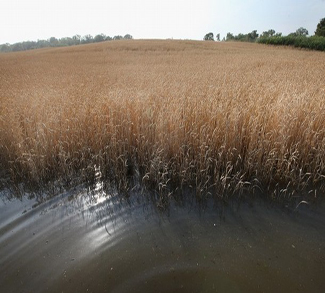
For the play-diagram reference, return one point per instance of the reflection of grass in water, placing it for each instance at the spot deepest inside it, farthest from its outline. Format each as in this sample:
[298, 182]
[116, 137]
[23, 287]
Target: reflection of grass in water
[165, 115]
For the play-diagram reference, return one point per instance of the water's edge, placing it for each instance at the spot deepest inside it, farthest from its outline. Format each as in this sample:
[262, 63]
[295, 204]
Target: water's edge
[77, 242]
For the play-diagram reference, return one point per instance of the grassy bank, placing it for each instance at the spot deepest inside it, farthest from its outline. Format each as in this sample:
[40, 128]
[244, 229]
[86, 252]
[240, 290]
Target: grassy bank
[165, 115]
[312, 43]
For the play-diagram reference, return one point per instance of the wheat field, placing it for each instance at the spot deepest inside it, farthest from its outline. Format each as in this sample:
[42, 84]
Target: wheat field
[215, 118]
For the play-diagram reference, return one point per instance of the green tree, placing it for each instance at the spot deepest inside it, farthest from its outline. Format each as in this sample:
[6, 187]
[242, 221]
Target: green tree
[302, 32]
[118, 37]
[87, 39]
[66, 41]
[128, 37]
[252, 36]
[53, 41]
[76, 39]
[42, 43]
[230, 37]
[320, 30]
[267, 34]
[5, 48]
[208, 37]
[17, 47]
[99, 38]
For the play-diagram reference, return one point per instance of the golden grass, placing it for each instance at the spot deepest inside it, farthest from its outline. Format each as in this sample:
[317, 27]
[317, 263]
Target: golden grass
[218, 117]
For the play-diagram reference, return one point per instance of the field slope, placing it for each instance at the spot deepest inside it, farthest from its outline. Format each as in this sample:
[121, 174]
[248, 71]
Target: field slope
[165, 115]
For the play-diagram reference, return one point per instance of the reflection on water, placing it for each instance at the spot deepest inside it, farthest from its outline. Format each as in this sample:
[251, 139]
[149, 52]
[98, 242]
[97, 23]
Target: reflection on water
[100, 242]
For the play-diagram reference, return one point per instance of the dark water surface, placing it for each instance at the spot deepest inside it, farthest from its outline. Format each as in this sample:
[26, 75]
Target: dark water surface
[103, 244]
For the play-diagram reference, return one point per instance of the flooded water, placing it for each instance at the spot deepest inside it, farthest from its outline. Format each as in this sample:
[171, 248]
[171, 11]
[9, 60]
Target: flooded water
[81, 243]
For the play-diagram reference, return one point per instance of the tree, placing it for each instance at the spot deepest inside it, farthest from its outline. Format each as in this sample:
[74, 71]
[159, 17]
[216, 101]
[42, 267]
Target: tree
[269, 33]
[5, 48]
[42, 43]
[230, 37]
[301, 32]
[252, 36]
[320, 30]
[118, 37]
[99, 38]
[66, 41]
[208, 37]
[29, 45]
[128, 37]
[87, 39]
[76, 39]
[53, 41]
[241, 37]
[218, 37]
[17, 47]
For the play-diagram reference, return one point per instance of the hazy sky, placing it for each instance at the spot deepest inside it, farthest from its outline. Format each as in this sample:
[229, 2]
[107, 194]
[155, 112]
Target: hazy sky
[22, 20]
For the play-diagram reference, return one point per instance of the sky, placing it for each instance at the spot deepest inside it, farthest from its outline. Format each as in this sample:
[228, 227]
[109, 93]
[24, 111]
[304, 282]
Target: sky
[23, 20]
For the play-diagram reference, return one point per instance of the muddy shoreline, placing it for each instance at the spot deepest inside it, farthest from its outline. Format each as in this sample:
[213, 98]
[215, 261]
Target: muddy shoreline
[103, 244]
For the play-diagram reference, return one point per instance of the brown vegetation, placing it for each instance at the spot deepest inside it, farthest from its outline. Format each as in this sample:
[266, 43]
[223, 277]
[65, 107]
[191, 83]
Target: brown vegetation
[219, 117]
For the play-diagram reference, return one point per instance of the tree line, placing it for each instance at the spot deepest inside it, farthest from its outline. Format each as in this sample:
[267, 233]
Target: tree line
[299, 38]
[63, 42]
